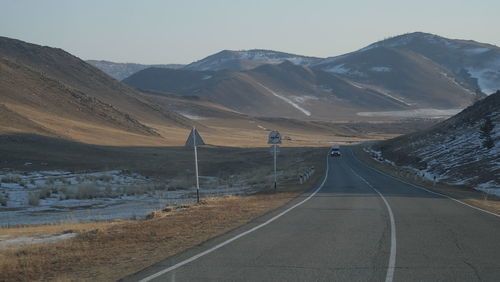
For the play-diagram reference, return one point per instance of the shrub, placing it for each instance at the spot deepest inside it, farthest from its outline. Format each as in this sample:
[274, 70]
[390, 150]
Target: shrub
[485, 133]
[3, 200]
[87, 191]
[33, 199]
[105, 178]
[11, 179]
[44, 192]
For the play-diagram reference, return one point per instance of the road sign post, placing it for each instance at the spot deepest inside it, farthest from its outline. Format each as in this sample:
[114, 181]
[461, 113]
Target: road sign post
[275, 180]
[194, 139]
[274, 139]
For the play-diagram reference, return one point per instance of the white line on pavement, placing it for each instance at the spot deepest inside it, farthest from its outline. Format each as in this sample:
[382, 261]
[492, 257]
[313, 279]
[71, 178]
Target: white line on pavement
[195, 257]
[392, 256]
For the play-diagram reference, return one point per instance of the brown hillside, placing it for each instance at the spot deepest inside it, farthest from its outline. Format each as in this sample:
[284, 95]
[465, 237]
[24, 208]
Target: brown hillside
[61, 66]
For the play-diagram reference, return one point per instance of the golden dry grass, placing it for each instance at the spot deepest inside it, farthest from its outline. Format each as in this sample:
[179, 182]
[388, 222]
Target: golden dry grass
[461, 192]
[105, 251]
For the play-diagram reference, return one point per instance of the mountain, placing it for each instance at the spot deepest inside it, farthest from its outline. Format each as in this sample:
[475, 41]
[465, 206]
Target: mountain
[48, 91]
[293, 91]
[412, 75]
[471, 65]
[282, 90]
[123, 70]
[245, 60]
[465, 149]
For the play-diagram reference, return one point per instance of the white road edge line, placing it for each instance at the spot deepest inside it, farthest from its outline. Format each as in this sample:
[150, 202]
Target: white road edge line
[422, 188]
[392, 256]
[195, 257]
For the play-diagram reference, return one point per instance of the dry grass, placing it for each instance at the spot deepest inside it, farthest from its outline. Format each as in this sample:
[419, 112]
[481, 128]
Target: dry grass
[108, 251]
[461, 192]
[105, 251]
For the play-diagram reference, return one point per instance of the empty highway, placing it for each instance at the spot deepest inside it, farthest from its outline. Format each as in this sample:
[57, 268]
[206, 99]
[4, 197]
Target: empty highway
[359, 225]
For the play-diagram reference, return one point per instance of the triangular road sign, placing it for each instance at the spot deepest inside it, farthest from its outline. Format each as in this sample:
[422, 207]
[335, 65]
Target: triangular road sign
[194, 138]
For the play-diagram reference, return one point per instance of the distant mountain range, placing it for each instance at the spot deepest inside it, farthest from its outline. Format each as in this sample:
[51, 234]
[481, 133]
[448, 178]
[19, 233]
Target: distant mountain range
[404, 73]
[123, 70]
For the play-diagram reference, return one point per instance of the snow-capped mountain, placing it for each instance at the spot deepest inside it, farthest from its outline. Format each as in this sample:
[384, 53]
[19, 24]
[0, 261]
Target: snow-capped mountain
[473, 65]
[403, 75]
[248, 59]
[464, 149]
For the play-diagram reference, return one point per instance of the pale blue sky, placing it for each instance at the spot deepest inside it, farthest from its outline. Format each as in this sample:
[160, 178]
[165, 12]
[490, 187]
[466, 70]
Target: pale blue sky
[182, 31]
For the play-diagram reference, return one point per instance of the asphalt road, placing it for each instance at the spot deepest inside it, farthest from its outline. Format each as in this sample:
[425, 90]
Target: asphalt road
[360, 225]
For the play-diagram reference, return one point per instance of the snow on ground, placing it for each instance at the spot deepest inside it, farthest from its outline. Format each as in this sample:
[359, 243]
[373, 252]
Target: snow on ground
[489, 187]
[261, 127]
[49, 197]
[48, 238]
[355, 84]
[387, 94]
[488, 78]
[191, 116]
[456, 155]
[452, 80]
[302, 99]
[342, 69]
[478, 50]
[304, 111]
[418, 113]
[380, 69]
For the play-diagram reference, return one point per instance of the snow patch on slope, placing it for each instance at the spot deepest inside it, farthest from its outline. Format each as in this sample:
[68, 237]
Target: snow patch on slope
[418, 113]
[380, 69]
[342, 69]
[304, 111]
[16, 242]
[488, 77]
[456, 154]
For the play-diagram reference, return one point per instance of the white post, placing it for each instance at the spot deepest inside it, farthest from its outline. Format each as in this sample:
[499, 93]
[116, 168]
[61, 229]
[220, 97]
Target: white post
[274, 147]
[196, 166]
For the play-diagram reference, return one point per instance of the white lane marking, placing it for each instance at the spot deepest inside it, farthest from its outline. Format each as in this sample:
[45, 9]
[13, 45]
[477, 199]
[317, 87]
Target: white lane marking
[422, 188]
[392, 256]
[195, 257]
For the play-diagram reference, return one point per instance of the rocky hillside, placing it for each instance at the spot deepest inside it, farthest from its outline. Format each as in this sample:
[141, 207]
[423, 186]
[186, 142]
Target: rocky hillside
[464, 149]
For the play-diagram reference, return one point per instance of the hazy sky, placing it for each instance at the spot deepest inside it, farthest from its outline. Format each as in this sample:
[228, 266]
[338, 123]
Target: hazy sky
[183, 31]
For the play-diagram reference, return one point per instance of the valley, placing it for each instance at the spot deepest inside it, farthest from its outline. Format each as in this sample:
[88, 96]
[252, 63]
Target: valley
[94, 170]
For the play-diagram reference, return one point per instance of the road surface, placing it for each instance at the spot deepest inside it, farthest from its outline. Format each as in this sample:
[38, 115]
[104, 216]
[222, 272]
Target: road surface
[360, 225]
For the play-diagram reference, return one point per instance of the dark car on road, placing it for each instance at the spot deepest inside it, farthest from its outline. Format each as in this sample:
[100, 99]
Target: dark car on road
[335, 151]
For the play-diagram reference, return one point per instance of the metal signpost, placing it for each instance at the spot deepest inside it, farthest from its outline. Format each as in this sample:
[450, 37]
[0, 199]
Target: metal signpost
[274, 139]
[194, 140]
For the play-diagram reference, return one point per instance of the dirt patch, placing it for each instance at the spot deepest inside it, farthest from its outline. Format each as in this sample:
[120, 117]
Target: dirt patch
[461, 192]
